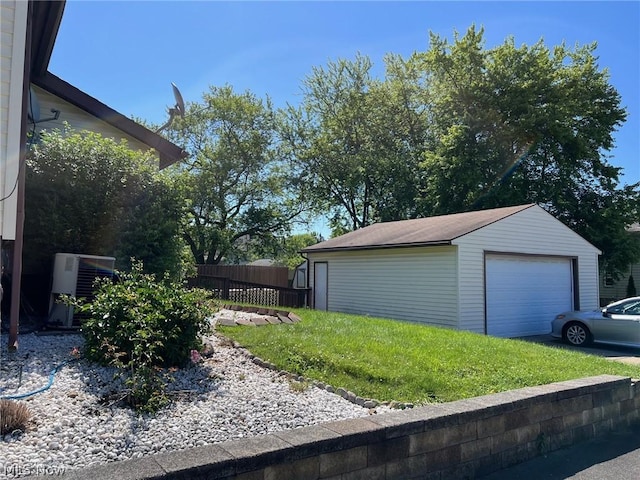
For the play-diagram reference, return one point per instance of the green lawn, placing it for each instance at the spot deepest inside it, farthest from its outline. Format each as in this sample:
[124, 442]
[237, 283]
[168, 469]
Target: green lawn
[392, 360]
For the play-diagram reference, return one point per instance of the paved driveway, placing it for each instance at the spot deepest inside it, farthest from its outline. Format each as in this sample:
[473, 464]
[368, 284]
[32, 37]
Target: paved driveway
[615, 456]
[620, 354]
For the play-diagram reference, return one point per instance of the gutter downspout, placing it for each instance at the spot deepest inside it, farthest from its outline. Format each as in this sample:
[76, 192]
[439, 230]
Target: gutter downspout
[16, 276]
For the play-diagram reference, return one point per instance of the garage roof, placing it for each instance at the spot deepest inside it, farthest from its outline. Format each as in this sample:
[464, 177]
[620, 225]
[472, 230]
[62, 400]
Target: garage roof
[440, 230]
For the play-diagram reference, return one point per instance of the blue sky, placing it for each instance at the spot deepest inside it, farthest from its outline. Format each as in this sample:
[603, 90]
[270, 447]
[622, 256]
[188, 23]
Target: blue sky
[126, 54]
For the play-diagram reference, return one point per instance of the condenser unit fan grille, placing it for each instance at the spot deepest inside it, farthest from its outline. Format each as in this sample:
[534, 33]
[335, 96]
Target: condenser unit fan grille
[89, 269]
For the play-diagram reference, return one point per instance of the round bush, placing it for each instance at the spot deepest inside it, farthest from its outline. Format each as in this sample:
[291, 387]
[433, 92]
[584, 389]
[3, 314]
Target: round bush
[138, 319]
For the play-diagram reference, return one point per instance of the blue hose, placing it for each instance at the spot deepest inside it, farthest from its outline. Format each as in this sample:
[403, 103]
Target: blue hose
[40, 390]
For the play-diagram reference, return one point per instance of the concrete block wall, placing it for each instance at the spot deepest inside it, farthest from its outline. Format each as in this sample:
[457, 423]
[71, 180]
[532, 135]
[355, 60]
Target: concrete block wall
[457, 440]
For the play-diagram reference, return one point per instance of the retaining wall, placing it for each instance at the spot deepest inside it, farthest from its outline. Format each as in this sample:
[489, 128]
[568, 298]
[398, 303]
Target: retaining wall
[457, 440]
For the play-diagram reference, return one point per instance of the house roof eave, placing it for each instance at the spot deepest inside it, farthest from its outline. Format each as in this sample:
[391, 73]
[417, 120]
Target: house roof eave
[45, 23]
[168, 152]
[45, 18]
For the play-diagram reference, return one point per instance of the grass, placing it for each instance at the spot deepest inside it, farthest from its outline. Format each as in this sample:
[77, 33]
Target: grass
[393, 360]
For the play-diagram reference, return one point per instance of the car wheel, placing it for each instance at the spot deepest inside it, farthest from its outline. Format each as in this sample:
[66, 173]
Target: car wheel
[576, 334]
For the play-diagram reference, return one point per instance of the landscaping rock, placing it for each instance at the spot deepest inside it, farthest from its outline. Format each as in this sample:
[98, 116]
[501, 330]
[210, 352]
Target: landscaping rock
[259, 321]
[284, 318]
[244, 321]
[227, 322]
[229, 396]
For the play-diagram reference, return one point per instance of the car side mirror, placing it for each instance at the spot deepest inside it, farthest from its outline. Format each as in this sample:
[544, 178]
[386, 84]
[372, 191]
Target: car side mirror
[605, 313]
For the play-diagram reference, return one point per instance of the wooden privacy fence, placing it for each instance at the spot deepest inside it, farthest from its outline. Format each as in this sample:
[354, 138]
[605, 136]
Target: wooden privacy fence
[273, 276]
[248, 292]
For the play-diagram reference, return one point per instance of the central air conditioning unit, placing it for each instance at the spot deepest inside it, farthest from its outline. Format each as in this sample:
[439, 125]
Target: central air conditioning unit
[74, 274]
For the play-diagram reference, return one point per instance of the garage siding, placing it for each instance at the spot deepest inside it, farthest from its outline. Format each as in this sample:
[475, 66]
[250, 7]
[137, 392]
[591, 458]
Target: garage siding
[531, 231]
[413, 284]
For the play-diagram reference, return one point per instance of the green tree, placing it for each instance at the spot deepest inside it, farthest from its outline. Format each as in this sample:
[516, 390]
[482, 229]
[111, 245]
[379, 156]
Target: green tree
[355, 141]
[234, 184]
[90, 194]
[526, 124]
[289, 255]
[285, 251]
[631, 287]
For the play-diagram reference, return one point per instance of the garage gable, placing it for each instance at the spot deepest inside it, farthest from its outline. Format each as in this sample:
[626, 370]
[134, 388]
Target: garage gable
[546, 268]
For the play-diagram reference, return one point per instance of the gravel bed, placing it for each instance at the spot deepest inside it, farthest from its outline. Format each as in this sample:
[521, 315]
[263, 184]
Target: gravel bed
[229, 396]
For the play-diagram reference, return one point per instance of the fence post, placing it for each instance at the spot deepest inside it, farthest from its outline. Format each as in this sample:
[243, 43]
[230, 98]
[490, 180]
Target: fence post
[302, 297]
[225, 288]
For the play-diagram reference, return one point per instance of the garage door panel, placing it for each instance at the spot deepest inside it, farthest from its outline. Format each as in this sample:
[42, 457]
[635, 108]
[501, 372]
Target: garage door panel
[523, 294]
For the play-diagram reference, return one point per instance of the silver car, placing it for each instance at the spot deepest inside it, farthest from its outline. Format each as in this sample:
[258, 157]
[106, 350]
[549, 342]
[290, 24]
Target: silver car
[617, 324]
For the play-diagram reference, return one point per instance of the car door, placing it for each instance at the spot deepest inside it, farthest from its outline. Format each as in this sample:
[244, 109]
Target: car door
[619, 324]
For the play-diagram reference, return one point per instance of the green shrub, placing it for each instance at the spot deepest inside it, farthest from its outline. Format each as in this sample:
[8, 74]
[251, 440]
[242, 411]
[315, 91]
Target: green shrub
[631, 287]
[140, 326]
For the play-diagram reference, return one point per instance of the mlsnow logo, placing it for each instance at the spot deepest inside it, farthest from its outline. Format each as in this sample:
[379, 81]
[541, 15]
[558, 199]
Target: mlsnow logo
[22, 469]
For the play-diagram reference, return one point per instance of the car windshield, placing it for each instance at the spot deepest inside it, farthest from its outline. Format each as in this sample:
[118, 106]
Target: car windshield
[627, 308]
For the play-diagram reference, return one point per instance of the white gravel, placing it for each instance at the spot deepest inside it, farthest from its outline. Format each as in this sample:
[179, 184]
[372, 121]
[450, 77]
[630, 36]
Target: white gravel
[232, 398]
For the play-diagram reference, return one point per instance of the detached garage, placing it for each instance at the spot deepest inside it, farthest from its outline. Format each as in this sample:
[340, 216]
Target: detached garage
[504, 272]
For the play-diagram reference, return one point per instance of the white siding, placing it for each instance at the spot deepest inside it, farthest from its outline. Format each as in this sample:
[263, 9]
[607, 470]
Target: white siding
[13, 28]
[78, 119]
[413, 284]
[532, 231]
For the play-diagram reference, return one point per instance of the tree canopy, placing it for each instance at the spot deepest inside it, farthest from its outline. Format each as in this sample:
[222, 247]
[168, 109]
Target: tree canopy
[234, 185]
[526, 124]
[356, 142]
[454, 128]
[461, 127]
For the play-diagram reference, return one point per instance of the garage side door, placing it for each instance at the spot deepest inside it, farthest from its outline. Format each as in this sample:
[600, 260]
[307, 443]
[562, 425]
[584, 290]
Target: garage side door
[321, 285]
[523, 294]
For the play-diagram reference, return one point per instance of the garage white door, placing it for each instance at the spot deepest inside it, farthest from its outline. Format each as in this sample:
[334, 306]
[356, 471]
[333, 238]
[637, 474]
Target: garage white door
[525, 293]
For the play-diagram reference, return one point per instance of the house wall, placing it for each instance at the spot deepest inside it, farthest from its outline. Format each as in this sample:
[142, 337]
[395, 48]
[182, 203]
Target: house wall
[531, 231]
[618, 291]
[413, 284]
[78, 119]
[13, 31]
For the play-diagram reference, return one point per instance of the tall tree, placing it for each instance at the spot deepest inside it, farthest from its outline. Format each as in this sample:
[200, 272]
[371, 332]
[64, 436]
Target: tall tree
[353, 140]
[526, 124]
[289, 251]
[234, 184]
[285, 250]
